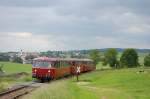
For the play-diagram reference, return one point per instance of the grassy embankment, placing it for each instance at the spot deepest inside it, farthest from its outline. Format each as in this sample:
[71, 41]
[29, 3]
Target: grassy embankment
[108, 84]
[12, 71]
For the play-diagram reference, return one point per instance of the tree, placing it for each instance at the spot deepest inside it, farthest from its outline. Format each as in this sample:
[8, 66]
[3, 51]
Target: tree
[129, 58]
[18, 60]
[4, 57]
[95, 56]
[104, 61]
[48, 54]
[111, 57]
[147, 60]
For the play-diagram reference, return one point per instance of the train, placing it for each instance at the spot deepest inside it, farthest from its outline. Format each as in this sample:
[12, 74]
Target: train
[45, 68]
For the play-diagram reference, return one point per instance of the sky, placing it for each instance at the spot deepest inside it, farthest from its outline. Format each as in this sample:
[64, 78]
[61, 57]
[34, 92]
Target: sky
[41, 25]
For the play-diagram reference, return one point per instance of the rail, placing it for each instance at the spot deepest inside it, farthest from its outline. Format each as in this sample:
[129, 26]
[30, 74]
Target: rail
[17, 91]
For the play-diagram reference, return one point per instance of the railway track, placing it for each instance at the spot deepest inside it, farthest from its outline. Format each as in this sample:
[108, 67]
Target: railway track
[19, 90]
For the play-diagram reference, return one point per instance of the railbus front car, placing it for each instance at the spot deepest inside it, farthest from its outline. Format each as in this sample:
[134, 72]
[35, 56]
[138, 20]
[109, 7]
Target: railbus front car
[45, 68]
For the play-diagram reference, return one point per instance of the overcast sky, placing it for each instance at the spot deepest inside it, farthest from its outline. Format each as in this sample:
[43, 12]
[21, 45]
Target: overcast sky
[40, 25]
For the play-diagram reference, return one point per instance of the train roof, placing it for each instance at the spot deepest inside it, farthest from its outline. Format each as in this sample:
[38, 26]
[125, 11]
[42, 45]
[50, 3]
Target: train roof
[60, 59]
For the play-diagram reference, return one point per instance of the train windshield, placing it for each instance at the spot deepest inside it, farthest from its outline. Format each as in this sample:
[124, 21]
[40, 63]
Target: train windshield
[42, 64]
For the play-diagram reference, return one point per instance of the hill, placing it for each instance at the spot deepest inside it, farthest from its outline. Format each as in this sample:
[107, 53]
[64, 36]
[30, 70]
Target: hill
[118, 49]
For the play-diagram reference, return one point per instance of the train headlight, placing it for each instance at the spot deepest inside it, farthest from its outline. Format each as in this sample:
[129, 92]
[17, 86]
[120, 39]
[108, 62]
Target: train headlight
[49, 71]
[35, 70]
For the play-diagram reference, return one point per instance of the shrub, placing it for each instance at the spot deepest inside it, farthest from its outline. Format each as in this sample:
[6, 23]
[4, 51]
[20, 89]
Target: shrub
[147, 60]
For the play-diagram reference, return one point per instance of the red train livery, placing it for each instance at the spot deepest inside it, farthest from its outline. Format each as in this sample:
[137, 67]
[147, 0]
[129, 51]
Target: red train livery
[45, 68]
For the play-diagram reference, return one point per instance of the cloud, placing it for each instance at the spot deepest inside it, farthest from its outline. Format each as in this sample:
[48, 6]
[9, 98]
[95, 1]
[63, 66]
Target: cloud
[20, 35]
[139, 29]
[74, 24]
[25, 41]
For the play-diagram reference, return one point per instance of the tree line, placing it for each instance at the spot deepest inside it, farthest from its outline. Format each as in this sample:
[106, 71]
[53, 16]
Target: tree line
[129, 58]
[16, 59]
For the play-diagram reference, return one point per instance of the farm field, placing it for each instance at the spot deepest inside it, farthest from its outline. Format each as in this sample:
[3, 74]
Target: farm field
[107, 84]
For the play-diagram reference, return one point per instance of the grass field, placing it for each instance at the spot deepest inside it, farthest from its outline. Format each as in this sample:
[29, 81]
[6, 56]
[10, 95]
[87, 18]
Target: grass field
[6, 82]
[107, 84]
[10, 67]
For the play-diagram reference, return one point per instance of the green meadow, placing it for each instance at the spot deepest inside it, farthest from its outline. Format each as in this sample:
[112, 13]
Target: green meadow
[10, 67]
[12, 75]
[106, 84]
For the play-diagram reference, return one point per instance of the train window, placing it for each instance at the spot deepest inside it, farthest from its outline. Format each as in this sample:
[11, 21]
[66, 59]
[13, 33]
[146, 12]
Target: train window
[70, 63]
[57, 64]
[79, 63]
[73, 63]
[42, 64]
[66, 64]
[63, 64]
[92, 64]
[34, 63]
[84, 63]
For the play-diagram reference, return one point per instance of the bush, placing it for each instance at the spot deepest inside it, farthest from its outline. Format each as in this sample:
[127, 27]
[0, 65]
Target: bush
[147, 60]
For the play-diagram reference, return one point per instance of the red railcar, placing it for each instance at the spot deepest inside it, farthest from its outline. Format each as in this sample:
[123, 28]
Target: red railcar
[45, 68]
